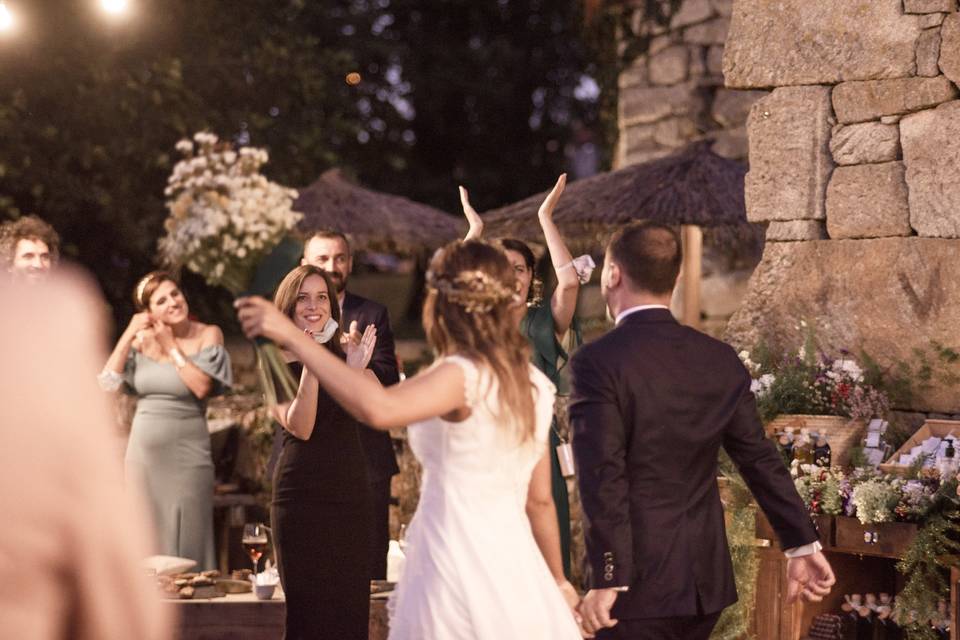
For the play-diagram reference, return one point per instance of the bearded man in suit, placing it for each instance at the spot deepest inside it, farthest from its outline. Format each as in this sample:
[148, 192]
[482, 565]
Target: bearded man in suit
[653, 401]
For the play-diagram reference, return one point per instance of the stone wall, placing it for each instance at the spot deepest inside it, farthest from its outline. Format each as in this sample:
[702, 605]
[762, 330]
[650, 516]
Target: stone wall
[855, 164]
[673, 91]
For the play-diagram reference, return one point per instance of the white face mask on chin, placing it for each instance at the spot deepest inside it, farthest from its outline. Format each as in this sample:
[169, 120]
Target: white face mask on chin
[323, 336]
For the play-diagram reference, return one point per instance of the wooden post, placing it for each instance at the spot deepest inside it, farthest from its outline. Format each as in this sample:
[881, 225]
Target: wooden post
[692, 238]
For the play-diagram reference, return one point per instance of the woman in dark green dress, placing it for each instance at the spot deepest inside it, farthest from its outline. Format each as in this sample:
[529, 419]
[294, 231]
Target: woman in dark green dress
[545, 323]
[172, 364]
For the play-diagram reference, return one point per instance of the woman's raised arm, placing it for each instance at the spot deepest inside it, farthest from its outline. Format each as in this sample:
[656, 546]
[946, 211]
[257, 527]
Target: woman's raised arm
[436, 392]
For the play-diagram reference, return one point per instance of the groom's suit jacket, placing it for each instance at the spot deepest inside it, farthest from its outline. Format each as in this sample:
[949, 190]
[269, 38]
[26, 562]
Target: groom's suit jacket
[652, 403]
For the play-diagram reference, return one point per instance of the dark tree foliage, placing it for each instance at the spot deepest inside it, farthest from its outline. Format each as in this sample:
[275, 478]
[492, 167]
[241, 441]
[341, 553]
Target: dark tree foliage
[450, 91]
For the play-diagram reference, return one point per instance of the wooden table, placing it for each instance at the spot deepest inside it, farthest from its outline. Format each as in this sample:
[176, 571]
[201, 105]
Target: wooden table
[243, 617]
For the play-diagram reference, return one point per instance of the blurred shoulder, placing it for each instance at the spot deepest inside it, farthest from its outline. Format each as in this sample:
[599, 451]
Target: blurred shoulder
[210, 334]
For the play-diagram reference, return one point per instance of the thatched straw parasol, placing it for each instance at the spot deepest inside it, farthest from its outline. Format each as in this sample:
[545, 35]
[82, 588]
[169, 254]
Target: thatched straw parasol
[693, 188]
[376, 221]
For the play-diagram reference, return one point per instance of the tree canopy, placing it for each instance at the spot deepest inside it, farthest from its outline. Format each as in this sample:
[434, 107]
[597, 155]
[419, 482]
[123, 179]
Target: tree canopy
[411, 96]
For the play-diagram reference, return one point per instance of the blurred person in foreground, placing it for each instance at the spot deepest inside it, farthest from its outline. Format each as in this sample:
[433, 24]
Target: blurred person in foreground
[70, 557]
[29, 248]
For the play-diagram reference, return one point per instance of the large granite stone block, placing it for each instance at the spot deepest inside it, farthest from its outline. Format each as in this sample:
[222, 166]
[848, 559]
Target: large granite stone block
[635, 75]
[707, 33]
[796, 230]
[865, 143]
[731, 107]
[796, 42]
[950, 47]
[928, 53]
[691, 12]
[929, 6]
[887, 296]
[644, 105]
[789, 133]
[868, 201]
[670, 65]
[931, 152]
[871, 99]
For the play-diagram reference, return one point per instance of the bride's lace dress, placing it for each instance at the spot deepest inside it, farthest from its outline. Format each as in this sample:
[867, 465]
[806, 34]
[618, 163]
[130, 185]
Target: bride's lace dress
[473, 569]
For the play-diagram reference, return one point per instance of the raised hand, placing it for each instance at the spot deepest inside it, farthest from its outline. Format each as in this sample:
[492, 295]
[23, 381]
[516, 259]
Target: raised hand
[258, 317]
[359, 353]
[550, 202]
[473, 218]
[809, 577]
[139, 322]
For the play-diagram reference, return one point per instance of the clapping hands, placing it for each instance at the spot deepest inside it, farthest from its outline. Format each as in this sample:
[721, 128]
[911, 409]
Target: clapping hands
[359, 347]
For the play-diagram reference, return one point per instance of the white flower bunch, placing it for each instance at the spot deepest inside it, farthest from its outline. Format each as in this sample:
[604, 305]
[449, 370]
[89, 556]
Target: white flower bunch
[876, 499]
[225, 216]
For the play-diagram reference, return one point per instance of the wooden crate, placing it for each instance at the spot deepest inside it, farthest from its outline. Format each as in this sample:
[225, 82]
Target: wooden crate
[823, 523]
[883, 539]
[843, 433]
[938, 428]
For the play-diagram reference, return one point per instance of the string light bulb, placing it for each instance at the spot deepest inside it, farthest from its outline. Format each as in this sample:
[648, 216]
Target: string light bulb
[114, 6]
[6, 18]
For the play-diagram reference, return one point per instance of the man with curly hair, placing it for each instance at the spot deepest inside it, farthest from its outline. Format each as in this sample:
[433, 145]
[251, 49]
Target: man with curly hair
[29, 248]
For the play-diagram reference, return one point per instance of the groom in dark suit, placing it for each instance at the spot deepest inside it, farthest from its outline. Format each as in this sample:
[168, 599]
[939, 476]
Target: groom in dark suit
[653, 401]
[330, 251]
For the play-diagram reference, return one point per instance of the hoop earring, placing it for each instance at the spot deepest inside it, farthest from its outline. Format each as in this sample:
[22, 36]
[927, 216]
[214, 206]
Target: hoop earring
[535, 299]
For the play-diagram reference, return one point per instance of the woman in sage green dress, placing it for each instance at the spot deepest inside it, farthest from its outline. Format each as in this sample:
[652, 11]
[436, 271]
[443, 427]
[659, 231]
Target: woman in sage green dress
[545, 323]
[172, 364]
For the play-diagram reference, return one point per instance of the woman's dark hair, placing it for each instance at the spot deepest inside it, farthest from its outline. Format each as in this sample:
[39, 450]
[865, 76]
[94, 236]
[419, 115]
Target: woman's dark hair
[523, 249]
[285, 299]
[537, 279]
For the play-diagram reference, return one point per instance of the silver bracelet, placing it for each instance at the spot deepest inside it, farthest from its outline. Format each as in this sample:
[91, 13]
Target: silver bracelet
[109, 380]
[583, 265]
[178, 360]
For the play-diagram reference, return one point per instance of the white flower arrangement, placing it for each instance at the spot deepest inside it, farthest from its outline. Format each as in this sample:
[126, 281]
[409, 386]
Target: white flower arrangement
[876, 499]
[225, 216]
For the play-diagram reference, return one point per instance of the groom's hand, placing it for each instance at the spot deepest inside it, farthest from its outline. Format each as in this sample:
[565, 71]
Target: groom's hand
[595, 609]
[809, 577]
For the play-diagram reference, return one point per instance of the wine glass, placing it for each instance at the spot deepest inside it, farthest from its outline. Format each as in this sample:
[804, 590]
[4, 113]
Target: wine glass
[255, 541]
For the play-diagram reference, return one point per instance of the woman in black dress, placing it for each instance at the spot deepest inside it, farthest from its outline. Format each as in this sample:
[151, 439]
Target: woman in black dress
[321, 512]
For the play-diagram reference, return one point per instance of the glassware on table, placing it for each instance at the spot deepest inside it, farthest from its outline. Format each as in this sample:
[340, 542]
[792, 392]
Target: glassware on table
[255, 541]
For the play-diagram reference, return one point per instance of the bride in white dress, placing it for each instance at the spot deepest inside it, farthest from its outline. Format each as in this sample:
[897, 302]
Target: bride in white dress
[483, 549]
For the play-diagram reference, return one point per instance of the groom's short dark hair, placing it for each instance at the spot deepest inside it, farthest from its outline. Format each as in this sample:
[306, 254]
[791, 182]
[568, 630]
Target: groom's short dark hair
[649, 253]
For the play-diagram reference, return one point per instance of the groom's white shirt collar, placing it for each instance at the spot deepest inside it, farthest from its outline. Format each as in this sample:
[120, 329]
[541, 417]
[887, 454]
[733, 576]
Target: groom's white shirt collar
[642, 307]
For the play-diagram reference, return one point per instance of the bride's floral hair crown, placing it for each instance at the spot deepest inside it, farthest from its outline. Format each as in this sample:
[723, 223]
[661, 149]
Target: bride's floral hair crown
[476, 291]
